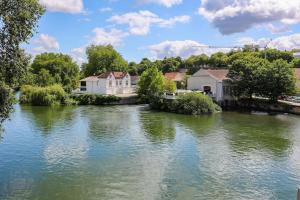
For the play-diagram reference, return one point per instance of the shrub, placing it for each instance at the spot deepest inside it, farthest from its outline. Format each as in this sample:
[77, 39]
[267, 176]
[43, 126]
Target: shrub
[95, 99]
[43, 96]
[191, 103]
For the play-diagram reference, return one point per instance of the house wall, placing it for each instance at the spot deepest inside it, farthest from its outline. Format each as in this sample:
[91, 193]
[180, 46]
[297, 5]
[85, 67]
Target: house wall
[103, 86]
[199, 82]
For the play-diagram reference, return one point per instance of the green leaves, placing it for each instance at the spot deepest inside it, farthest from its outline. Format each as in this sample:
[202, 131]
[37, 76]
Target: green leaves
[256, 76]
[103, 59]
[51, 68]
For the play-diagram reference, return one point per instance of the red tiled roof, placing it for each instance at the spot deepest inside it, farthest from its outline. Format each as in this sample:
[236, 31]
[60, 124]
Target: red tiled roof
[117, 75]
[220, 74]
[175, 76]
[297, 72]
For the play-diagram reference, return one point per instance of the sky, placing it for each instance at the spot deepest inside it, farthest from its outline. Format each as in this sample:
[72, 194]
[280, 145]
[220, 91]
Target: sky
[164, 28]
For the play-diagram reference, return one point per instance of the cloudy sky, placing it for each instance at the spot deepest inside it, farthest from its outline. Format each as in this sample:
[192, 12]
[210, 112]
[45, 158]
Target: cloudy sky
[159, 28]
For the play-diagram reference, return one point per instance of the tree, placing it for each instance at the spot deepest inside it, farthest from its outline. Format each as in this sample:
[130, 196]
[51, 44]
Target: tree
[296, 62]
[151, 84]
[103, 59]
[194, 63]
[58, 68]
[133, 68]
[274, 54]
[170, 86]
[278, 79]
[170, 64]
[246, 75]
[219, 60]
[18, 21]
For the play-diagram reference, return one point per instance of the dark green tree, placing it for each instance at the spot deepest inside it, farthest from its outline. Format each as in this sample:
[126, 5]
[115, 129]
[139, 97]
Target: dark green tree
[18, 21]
[170, 64]
[103, 59]
[274, 54]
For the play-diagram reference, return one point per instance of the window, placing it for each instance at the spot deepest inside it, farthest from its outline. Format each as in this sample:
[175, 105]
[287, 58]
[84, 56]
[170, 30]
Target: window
[110, 83]
[121, 83]
[116, 82]
[83, 89]
[127, 83]
[83, 83]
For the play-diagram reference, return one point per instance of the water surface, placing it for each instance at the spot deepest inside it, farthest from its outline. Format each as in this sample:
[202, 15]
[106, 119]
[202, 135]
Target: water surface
[128, 152]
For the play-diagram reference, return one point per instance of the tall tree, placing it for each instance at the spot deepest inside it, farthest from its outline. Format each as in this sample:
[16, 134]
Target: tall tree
[151, 84]
[194, 63]
[103, 59]
[170, 64]
[18, 21]
[58, 68]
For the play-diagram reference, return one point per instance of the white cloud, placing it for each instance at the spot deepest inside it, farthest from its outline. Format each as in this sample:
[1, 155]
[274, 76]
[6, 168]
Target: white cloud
[166, 3]
[68, 6]
[140, 22]
[278, 29]
[45, 43]
[282, 43]
[78, 54]
[231, 16]
[113, 37]
[183, 48]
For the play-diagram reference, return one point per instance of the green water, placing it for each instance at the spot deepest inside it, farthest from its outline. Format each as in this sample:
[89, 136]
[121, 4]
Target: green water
[128, 152]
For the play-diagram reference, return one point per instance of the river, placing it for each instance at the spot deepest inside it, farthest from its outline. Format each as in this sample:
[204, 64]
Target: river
[129, 152]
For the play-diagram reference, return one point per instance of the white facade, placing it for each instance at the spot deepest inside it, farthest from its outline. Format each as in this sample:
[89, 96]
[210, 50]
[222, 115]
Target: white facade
[214, 86]
[109, 83]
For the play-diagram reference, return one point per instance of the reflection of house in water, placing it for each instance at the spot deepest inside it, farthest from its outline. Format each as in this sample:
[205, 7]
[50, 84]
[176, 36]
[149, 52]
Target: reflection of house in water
[212, 82]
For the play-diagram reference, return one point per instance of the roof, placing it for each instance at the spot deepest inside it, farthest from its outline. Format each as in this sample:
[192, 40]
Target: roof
[117, 75]
[175, 76]
[219, 74]
[90, 78]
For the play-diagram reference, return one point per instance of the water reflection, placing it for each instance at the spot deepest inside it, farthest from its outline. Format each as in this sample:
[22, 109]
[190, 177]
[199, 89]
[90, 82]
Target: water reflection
[258, 132]
[47, 118]
[158, 126]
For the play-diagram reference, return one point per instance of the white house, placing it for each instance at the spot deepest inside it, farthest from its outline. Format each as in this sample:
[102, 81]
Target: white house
[107, 83]
[212, 82]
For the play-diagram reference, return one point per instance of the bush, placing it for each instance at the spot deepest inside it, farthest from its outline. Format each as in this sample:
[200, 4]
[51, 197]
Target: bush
[95, 99]
[43, 96]
[191, 103]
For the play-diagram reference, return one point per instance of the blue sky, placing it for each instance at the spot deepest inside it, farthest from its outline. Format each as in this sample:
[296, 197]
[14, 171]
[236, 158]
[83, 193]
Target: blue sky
[159, 28]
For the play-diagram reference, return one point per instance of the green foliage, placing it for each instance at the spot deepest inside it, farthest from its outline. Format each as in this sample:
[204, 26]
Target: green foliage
[195, 63]
[296, 62]
[51, 68]
[170, 64]
[191, 103]
[103, 59]
[151, 84]
[95, 99]
[274, 54]
[6, 101]
[43, 96]
[170, 86]
[256, 76]
[18, 21]
[219, 60]
[277, 79]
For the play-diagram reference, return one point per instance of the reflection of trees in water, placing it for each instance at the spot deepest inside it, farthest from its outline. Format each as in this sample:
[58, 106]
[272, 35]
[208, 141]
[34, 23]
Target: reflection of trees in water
[47, 117]
[250, 132]
[109, 122]
[158, 126]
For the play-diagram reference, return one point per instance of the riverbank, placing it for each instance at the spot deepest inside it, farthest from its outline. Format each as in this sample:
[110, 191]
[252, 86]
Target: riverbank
[262, 105]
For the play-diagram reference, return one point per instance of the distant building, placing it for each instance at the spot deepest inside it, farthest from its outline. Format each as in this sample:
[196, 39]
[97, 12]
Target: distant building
[107, 83]
[212, 82]
[177, 77]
